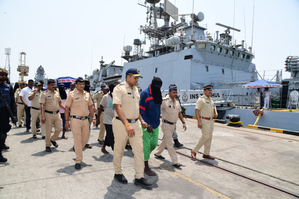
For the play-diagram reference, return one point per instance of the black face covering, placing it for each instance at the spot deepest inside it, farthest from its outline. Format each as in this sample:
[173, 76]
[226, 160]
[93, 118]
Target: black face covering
[62, 92]
[87, 88]
[111, 88]
[156, 91]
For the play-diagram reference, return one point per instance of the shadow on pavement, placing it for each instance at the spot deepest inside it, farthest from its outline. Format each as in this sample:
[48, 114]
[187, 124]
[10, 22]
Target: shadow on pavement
[213, 162]
[23, 133]
[29, 140]
[70, 170]
[4, 164]
[129, 153]
[104, 158]
[117, 190]
[44, 153]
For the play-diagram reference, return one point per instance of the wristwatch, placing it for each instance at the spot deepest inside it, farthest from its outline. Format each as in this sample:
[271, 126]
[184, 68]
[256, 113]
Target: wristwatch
[94, 118]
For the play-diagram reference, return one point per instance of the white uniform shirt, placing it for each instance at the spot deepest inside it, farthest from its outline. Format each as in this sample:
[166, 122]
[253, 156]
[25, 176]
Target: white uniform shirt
[266, 94]
[25, 94]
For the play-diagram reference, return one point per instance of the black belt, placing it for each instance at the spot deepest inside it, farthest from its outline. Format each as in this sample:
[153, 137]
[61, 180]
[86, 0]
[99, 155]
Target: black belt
[129, 120]
[165, 121]
[52, 112]
[20, 103]
[35, 108]
[79, 118]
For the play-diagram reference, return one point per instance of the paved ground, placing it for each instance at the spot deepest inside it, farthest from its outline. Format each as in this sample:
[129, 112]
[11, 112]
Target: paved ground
[270, 157]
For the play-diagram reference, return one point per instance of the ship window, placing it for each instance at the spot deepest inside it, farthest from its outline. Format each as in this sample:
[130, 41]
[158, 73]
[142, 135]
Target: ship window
[223, 71]
[238, 54]
[188, 57]
[231, 53]
[192, 46]
[207, 68]
[156, 70]
[186, 47]
[225, 51]
[219, 50]
[201, 46]
[248, 57]
[243, 56]
[212, 48]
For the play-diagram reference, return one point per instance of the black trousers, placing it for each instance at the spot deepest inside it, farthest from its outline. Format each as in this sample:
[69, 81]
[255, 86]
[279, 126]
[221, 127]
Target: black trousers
[4, 119]
[28, 118]
[109, 139]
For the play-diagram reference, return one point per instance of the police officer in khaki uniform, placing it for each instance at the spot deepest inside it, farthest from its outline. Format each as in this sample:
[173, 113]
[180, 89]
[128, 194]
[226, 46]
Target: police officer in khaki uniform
[79, 102]
[126, 126]
[20, 106]
[34, 97]
[205, 111]
[171, 111]
[72, 88]
[98, 96]
[50, 102]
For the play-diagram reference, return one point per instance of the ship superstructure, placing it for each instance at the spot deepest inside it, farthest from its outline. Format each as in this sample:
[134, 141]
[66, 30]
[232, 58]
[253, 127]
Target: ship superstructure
[184, 53]
[107, 73]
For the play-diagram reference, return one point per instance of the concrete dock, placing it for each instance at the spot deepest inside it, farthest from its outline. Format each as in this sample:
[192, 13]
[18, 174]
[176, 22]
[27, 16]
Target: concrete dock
[266, 156]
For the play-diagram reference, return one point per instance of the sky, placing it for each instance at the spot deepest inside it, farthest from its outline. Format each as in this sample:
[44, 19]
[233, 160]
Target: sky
[69, 37]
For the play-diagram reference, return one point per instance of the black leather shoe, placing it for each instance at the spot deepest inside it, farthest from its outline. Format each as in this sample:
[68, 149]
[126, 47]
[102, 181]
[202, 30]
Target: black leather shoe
[3, 159]
[177, 144]
[142, 182]
[159, 157]
[177, 165]
[43, 137]
[48, 149]
[34, 137]
[121, 178]
[54, 143]
[77, 166]
[6, 147]
[20, 126]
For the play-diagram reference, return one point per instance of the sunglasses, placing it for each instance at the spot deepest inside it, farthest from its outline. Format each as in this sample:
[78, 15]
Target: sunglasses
[3, 74]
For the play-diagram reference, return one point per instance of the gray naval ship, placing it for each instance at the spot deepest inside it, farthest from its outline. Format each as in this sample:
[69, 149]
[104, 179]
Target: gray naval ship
[182, 52]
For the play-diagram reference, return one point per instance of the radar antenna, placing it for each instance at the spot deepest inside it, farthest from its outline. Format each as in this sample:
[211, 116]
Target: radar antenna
[226, 37]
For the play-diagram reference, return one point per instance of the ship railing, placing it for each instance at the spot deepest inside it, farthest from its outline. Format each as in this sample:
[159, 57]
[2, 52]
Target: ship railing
[235, 77]
[253, 100]
[270, 75]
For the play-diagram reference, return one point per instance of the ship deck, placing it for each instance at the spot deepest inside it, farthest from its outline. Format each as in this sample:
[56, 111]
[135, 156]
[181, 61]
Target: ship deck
[250, 163]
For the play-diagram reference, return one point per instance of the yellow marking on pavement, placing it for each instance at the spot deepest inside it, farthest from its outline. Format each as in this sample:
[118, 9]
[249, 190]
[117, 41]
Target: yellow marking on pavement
[190, 180]
[277, 130]
[252, 126]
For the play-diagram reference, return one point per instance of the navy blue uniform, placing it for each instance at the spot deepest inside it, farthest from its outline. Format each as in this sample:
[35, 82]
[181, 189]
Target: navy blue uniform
[7, 91]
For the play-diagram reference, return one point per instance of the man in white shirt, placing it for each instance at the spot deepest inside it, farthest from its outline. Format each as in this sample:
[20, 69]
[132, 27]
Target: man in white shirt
[267, 97]
[24, 94]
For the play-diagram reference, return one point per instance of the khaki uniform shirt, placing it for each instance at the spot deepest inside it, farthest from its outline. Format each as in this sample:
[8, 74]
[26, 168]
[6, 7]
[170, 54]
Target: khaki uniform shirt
[78, 103]
[35, 101]
[17, 95]
[128, 98]
[206, 106]
[50, 100]
[98, 96]
[170, 109]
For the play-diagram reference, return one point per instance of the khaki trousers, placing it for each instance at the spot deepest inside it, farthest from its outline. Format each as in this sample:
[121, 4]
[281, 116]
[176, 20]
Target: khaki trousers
[80, 130]
[52, 119]
[34, 115]
[206, 138]
[21, 113]
[168, 130]
[120, 140]
[102, 128]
